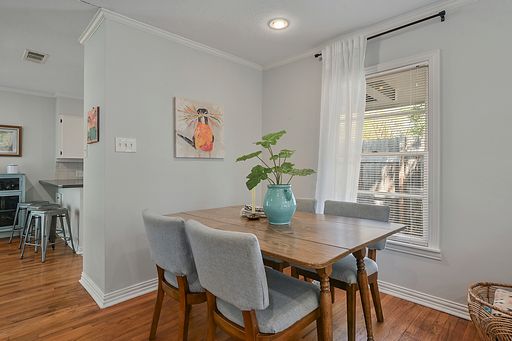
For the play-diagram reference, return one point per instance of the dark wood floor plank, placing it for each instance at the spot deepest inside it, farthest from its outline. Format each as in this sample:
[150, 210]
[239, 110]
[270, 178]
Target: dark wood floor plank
[46, 302]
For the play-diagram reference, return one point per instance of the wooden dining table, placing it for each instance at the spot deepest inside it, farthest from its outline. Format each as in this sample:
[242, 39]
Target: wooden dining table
[315, 241]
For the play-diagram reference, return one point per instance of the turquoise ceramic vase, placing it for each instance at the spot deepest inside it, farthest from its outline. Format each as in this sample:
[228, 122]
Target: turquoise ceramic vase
[279, 204]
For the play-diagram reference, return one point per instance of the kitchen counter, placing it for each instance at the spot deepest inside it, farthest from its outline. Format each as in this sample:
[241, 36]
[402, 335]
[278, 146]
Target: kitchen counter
[66, 183]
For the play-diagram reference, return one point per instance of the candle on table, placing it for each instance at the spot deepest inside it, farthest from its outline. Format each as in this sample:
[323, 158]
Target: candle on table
[253, 205]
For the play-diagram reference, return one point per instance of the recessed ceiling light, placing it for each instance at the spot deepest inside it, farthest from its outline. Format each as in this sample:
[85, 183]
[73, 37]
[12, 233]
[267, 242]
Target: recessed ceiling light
[278, 24]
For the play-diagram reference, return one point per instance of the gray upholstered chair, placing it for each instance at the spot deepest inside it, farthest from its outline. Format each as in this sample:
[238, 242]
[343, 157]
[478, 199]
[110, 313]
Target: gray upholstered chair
[177, 275]
[306, 205]
[246, 299]
[303, 205]
[344, 272]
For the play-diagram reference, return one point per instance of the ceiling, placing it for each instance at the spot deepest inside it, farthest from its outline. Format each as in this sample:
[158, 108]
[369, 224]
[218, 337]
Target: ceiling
[238, 27]
[49, 26]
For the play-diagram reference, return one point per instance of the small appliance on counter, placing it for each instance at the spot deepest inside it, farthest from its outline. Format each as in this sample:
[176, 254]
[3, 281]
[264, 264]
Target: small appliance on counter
[12, 169]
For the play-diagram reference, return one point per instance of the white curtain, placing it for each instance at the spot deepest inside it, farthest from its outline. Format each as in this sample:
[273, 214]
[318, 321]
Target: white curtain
[341, 120]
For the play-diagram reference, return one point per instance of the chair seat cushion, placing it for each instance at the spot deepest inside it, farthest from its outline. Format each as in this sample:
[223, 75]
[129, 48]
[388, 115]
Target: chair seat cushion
[193, 282]
[289, 301]
[345, 270]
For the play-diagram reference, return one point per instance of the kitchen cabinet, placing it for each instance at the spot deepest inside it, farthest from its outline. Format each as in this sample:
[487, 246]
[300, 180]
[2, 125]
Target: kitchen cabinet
[70, 137]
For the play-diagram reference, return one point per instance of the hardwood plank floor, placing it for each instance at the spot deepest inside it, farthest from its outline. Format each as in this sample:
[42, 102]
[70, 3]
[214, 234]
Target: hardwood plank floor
[45, 301]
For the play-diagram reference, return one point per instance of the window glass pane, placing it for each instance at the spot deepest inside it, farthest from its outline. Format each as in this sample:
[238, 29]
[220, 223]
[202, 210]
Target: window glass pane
[403, 210]
[403, 130]
[394, 164]
[393, 174]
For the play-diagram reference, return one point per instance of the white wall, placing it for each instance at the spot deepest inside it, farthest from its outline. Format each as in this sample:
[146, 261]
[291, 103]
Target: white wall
[475, 148]
[94, 201]
[291, 101]
[69, 106]
[142, 74]
[37, 117]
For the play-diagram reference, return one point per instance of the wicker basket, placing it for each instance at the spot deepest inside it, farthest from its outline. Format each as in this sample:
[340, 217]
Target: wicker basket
[485, 315]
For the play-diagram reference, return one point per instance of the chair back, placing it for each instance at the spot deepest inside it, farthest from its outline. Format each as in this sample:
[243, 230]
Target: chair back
[362, 211]
[229, 265]
[169, 245]
[306, 205]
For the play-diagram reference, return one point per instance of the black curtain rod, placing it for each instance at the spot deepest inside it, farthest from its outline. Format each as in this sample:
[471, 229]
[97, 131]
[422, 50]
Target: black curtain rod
[441, 14]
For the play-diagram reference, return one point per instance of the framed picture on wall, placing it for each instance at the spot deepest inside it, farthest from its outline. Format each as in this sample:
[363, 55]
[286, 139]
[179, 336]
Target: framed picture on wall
[10, 140]
[93, 125]
[199, 129]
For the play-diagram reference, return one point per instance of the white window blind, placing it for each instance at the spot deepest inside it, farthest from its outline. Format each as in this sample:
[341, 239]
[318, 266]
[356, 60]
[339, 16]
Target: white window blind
[395, 156]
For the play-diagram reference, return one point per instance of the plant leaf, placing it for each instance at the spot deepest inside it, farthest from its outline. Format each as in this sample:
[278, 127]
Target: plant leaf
[286, 153]
[271, 139]
[248, 156]
[301, 172]
[258, 173]
[286, 167]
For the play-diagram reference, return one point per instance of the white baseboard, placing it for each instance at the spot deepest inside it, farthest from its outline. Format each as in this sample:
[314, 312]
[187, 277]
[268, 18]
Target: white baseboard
[104, 300]
[109, 299]
[94, 291]
[438, 303]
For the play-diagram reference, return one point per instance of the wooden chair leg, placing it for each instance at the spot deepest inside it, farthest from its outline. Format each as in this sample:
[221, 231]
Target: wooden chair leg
[333, 294]
[319, 334]
[250, 325]
[158, 309]
[351, 313]
[295, 273]
[374, 288]
[184, 319]
[211, 328]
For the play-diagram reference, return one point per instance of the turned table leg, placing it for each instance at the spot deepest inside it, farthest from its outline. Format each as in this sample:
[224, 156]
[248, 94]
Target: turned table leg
[325, 304]
[362, 281]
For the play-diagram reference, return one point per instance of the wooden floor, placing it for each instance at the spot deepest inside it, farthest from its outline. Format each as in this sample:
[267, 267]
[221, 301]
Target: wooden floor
[45, 301]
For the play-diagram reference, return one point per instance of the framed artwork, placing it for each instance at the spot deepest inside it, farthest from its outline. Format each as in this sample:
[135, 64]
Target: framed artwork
[199, 129]
[10, 140]
[93, 125]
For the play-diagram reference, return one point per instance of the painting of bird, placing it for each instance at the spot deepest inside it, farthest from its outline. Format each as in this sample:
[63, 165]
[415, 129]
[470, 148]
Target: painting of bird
[198, 130]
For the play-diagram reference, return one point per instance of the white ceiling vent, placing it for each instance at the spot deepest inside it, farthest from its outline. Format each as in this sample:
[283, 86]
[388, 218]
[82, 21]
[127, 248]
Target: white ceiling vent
[36, 57]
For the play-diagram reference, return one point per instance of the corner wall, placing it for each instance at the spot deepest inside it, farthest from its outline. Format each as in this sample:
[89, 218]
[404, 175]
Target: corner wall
[475, 151]
[143, 72]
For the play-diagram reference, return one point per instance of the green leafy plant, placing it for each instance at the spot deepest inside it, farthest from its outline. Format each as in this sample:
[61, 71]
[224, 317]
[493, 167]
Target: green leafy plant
[277, 166]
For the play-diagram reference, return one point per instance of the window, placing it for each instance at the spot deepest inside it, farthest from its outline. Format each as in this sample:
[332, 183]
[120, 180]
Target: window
[397, 162]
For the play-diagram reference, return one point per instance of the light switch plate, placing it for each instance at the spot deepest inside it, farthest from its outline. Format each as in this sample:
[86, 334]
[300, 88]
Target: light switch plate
[131, 145]
[125, 145]
[120, 145]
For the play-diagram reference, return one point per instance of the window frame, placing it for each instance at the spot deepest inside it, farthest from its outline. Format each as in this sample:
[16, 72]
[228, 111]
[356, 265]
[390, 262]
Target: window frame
[432, 59]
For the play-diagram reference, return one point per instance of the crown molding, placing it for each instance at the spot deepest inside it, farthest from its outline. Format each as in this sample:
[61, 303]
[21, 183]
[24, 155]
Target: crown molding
[382, 26]
[93, 25]
[103, 14]
[27, 92]
[40, 93]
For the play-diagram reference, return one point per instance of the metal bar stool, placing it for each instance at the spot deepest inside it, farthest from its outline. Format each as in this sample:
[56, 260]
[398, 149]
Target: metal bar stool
[32, 226]
[42, 228]
[22, 209]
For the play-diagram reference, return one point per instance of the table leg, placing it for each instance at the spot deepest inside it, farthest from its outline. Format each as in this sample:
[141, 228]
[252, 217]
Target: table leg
[362, 281]
[325, 304]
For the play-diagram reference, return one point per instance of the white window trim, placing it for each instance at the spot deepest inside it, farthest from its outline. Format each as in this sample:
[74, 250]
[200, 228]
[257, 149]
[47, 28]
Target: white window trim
[433, 250]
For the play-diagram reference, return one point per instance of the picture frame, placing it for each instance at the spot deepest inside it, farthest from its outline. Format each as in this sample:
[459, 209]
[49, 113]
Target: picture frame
[11, 138]
[199, 129]
[93, 125]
